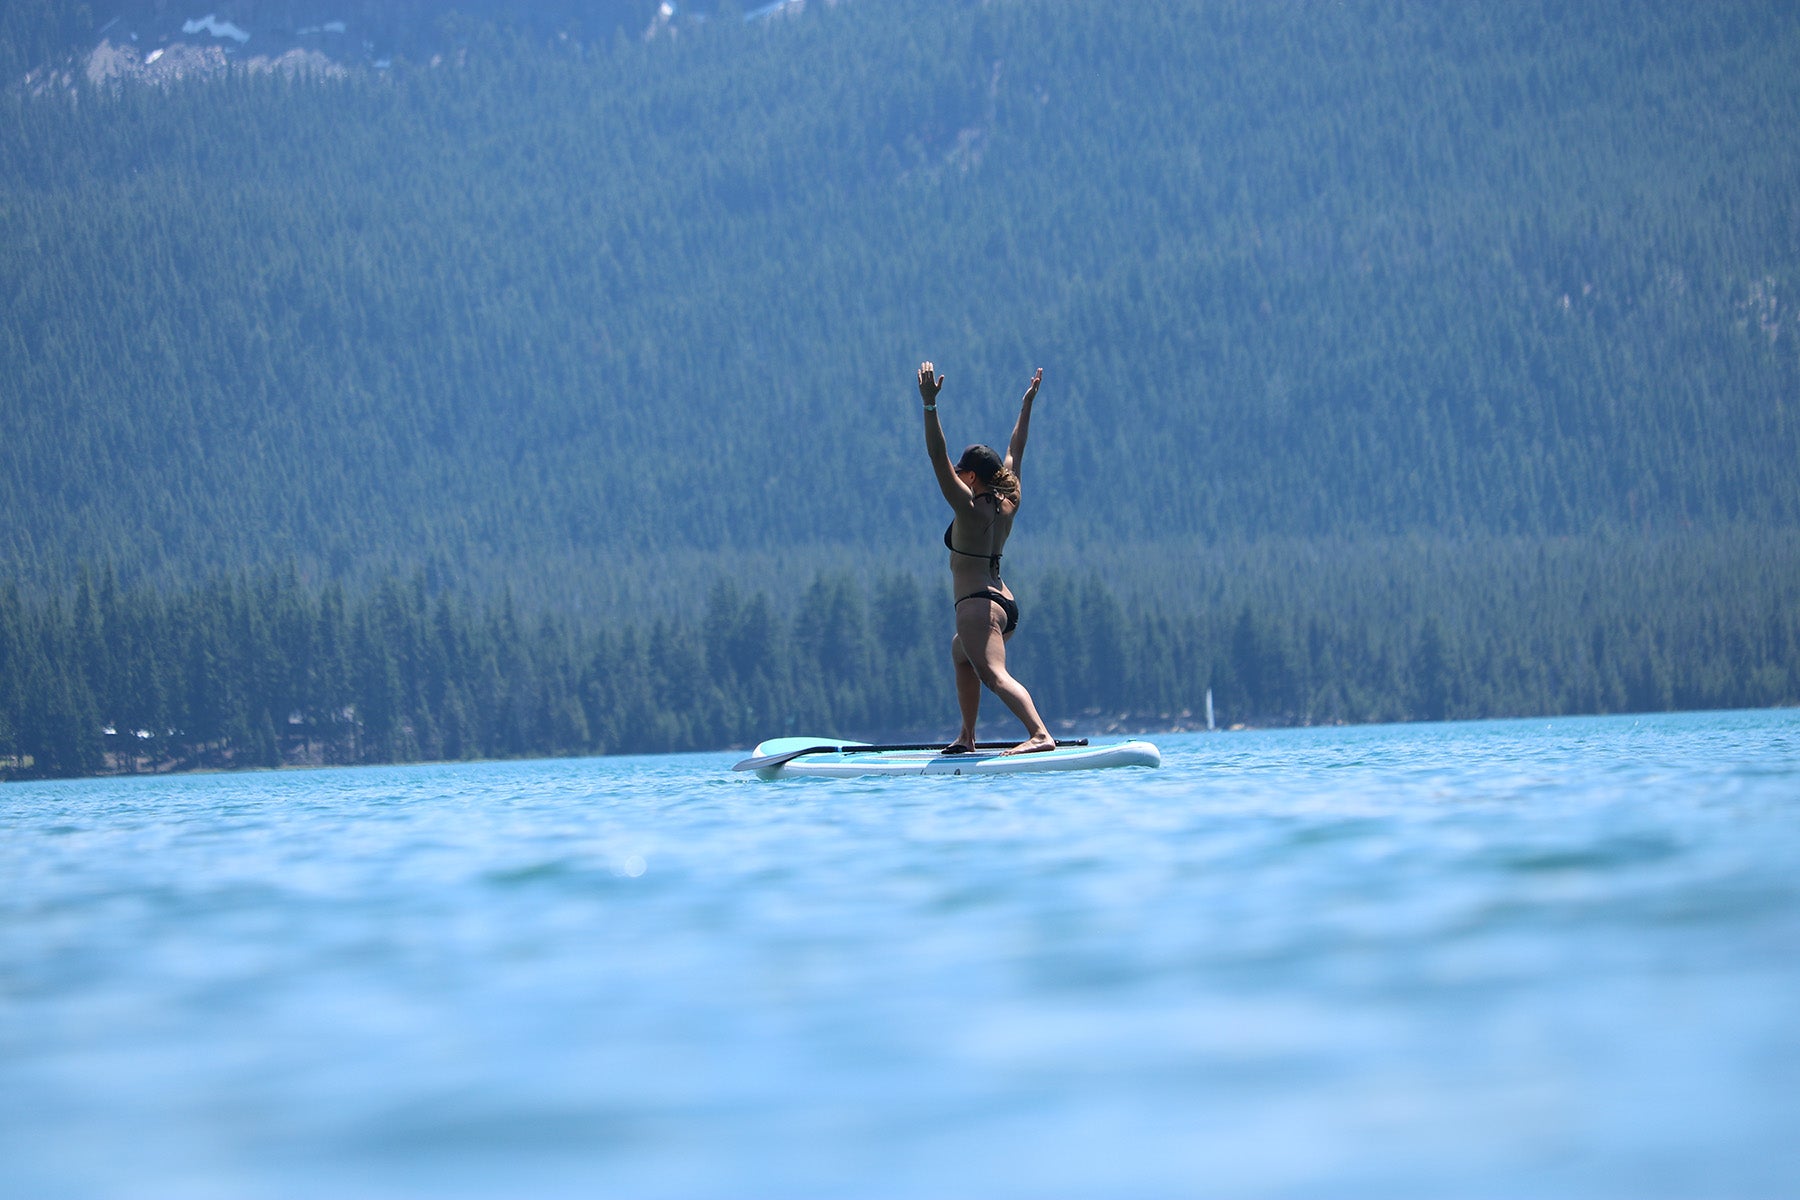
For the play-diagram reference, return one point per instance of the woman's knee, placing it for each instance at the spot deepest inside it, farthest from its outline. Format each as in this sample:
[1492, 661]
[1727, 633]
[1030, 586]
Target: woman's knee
[991, 674]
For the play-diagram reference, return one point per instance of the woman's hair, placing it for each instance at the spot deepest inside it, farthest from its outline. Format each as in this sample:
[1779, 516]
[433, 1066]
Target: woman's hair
[1005, 485]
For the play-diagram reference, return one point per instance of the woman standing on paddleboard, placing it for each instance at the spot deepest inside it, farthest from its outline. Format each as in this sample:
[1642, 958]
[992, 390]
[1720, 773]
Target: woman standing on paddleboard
[983, 491]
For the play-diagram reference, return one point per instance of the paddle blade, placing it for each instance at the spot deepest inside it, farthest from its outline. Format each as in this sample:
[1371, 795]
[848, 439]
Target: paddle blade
[775, 760]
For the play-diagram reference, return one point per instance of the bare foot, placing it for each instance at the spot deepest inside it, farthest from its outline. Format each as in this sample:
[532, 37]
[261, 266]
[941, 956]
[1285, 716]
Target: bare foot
[1034, 745]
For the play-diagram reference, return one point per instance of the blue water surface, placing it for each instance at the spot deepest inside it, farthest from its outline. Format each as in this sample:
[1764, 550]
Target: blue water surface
[1508, 959]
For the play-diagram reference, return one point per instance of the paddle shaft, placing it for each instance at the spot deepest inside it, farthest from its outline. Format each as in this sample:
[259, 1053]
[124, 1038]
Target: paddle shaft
[942, 746]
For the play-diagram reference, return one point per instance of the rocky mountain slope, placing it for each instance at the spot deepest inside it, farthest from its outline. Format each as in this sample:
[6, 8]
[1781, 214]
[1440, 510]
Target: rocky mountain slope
[158, 42]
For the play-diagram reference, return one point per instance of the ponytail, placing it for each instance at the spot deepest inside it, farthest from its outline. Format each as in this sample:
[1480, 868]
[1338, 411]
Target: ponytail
[1005, 484]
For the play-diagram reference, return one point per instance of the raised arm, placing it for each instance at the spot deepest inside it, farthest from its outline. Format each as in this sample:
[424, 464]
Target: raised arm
[955, 490]
[1015, 449]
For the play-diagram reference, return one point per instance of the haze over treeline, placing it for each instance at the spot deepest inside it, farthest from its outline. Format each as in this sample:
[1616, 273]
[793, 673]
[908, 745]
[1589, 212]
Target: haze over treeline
[597, 321]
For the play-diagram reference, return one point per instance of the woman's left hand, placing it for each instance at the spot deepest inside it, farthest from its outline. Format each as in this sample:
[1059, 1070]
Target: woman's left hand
[930, 384]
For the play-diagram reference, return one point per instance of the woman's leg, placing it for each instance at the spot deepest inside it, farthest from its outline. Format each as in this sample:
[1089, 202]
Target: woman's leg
[968, 693]
[978, 624]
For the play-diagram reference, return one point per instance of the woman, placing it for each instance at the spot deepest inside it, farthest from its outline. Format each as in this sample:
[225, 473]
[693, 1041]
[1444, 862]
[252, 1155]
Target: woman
[983, 492]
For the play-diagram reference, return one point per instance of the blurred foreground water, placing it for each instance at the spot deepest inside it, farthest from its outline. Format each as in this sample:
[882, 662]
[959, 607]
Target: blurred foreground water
[1507, 959]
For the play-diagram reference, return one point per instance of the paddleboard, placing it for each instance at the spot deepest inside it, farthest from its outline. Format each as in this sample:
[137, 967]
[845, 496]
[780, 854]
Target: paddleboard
[836, 758]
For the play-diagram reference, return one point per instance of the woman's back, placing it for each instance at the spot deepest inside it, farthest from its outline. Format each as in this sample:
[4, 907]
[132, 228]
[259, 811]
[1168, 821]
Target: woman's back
[976, 539]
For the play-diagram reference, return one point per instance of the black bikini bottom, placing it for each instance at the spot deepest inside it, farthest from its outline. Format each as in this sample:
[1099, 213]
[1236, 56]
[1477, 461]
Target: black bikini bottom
[1007, 604]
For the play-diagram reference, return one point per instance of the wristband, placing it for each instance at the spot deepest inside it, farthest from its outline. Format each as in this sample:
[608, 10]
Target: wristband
[931, 408]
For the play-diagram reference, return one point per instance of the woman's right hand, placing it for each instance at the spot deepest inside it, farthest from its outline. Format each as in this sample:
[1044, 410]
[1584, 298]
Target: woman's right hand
[929, 383]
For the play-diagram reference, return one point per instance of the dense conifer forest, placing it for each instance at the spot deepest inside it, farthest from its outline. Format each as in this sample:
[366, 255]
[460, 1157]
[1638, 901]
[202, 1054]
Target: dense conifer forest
[266, 671]
[1402, 361]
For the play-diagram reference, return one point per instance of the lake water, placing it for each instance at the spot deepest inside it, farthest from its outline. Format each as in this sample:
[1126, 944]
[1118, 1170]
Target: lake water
[1509, 959]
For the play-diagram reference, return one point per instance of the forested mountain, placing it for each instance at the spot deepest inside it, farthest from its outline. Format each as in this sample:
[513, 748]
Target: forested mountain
[597, 321]
[1308, 270]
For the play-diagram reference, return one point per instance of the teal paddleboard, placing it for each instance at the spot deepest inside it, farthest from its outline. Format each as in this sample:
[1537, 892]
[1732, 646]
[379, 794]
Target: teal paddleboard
[783, 758]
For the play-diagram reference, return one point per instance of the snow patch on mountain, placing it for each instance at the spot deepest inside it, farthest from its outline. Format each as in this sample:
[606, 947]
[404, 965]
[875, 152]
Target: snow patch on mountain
[223, 29]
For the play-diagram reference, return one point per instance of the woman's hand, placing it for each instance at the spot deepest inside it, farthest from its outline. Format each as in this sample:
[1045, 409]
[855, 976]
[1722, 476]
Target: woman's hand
[929, 384]
[1031, 392]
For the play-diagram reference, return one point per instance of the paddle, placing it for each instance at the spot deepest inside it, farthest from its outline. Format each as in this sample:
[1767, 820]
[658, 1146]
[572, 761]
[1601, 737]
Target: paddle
[775, 760]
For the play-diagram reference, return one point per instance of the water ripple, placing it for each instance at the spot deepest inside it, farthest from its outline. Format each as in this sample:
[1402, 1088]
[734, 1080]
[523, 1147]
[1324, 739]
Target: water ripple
[1543, 958]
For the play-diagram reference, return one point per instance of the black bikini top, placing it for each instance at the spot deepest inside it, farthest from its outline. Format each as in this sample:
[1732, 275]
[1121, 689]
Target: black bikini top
[992, 559]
